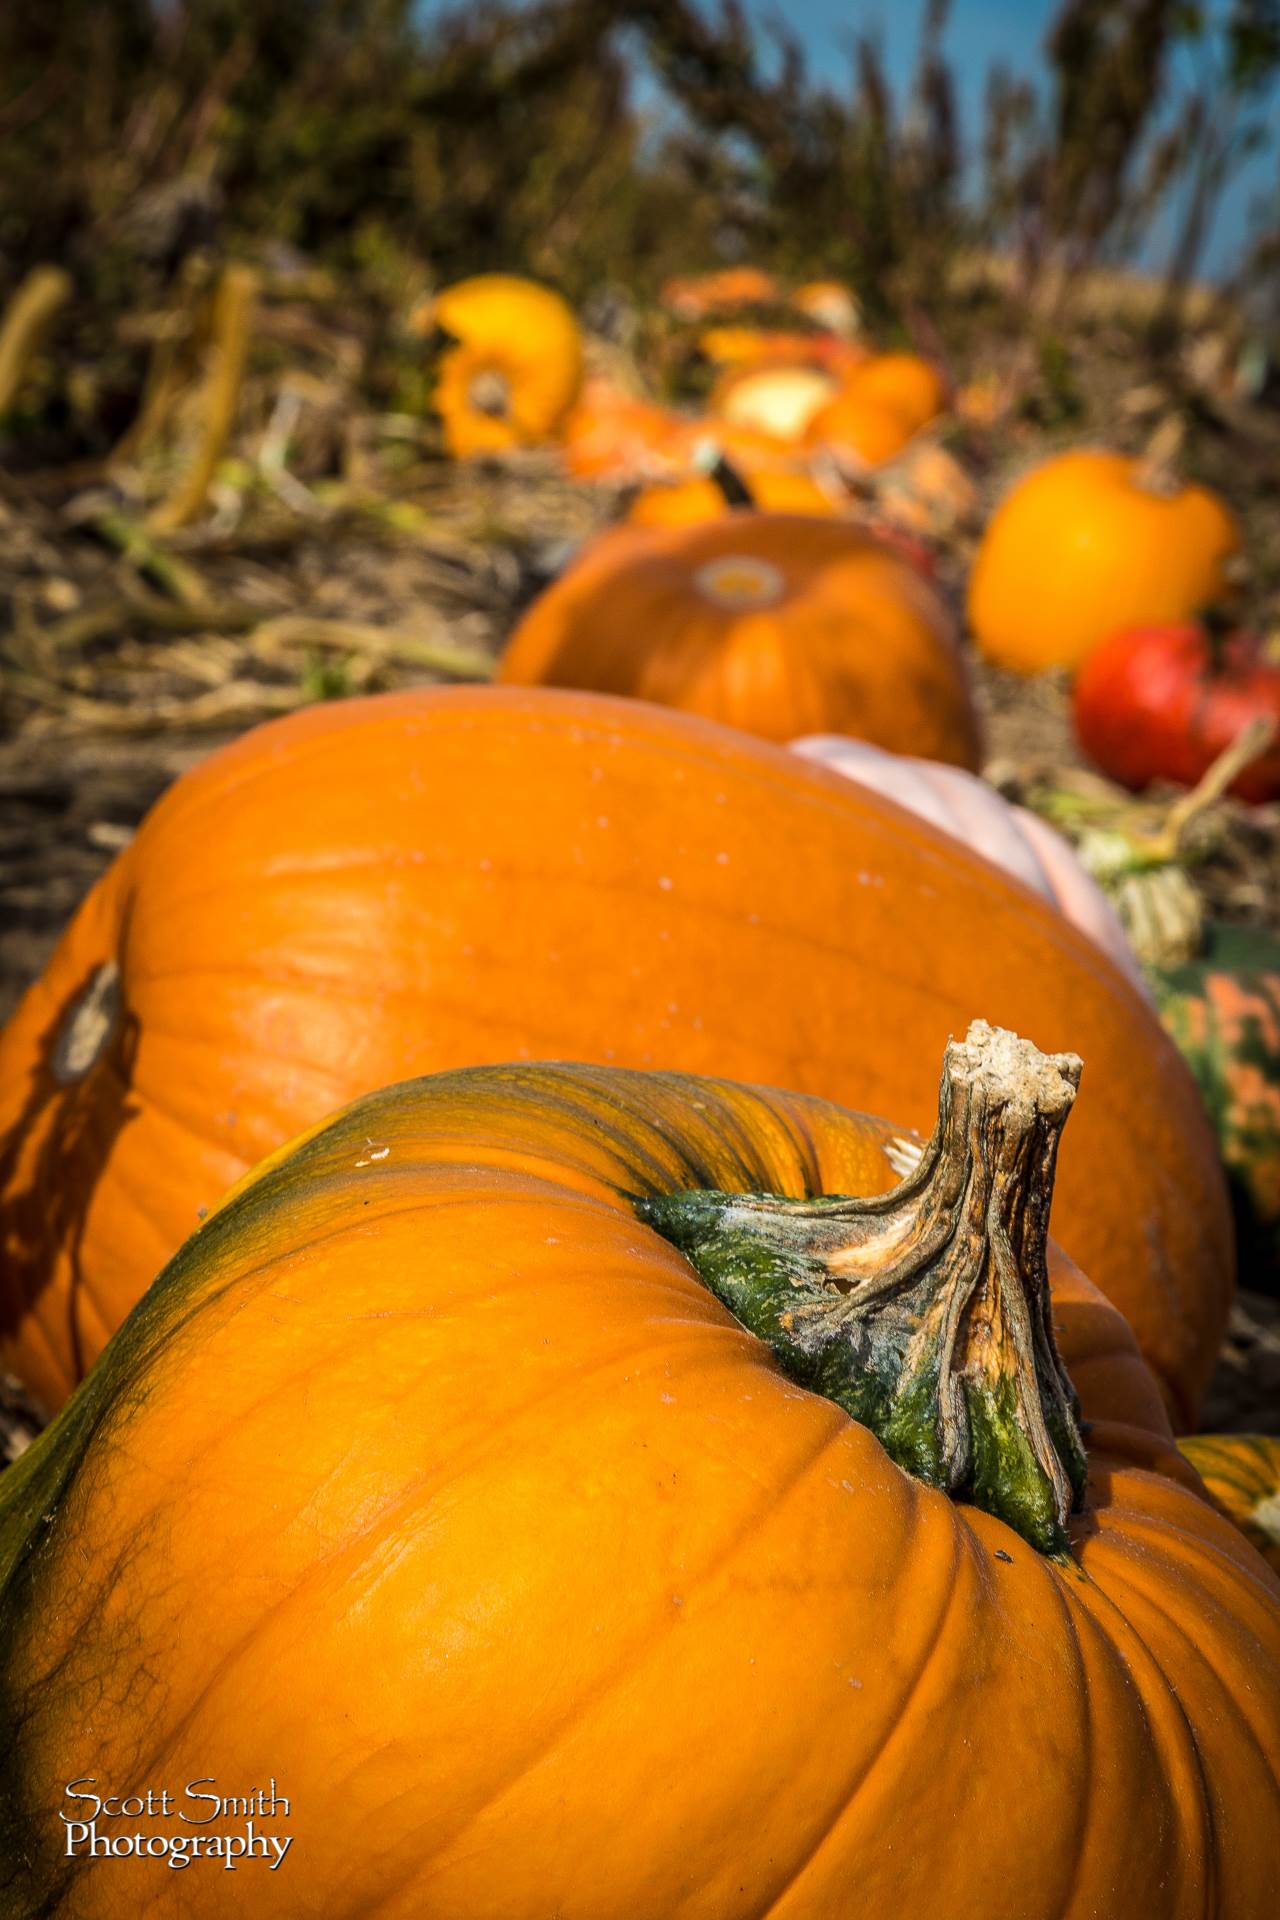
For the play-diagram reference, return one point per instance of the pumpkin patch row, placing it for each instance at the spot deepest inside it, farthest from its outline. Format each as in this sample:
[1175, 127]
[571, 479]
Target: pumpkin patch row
[530, 1207]
[751, 591]
[559, 1256]
[1090, 551]
[513, 375]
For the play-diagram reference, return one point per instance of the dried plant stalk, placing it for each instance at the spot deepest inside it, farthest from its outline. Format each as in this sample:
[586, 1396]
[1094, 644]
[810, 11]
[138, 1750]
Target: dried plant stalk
[233, 310]
[26, 322]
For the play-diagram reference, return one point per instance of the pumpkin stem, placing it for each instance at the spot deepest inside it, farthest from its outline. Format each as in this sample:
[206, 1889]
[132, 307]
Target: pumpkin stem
[1253, 739]
[924, 1311]
[710, 459]
[1156, 471]
[732, 486]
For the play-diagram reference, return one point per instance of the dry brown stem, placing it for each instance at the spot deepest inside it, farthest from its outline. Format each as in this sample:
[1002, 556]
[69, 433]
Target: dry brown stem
[233, 308]
[26, 322]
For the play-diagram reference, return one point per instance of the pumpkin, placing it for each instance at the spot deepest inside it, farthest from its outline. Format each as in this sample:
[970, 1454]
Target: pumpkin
[1163, 702]
[709, 496]
[779, 401]
[1242, 1472]
[516, 368]
[927, 491]
[909, 386]
[1012, 837]
[613, 435]
[1086, 544]
[501, 874]
[776, 623]
[697, 295]
[753, 347]
[829, 304]
[860, 432]
[433, 1484]
[1223, 1011]
[879, 409]
[684, 503]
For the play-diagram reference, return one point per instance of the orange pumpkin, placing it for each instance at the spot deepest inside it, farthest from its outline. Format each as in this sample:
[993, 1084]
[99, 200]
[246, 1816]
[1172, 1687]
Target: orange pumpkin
[516, 368]
[1085, 545]
[1242, 1472]
[772, 346]
[697, 295]
[908, 385]
[436, 1488]
[879, 409]
[612, 435]
[502, 874]
[776, 488]
[859, 432]
[684, 503]
[776, 623]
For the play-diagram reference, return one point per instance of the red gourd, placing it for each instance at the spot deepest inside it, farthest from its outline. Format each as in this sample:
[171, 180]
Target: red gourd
[1162, 702]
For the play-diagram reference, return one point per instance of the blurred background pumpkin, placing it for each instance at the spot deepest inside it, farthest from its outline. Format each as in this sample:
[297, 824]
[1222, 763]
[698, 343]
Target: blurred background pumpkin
[514, 368]
[1088, 543]
[775, 623]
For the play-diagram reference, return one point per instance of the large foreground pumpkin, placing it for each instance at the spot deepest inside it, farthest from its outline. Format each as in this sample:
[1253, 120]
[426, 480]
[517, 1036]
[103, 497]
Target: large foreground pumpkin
[434, 879]
[430, 1488]
[777, 623]
[1009, 836]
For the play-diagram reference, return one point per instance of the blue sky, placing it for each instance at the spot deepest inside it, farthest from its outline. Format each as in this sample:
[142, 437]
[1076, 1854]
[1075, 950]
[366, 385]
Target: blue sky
[981, 33]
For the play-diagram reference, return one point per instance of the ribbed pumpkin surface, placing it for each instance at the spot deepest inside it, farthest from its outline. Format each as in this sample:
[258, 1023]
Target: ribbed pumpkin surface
[1242, 1472]
[778, 623]
[431, 1485]
[427, 880]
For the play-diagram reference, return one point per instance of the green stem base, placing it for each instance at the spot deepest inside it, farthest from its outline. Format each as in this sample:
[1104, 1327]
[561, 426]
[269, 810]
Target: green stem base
[924, 1312]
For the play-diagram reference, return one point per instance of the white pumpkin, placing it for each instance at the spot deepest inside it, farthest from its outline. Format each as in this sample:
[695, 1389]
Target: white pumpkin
[970, 811]
[778, 401]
